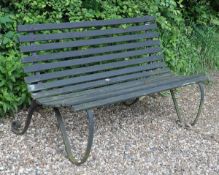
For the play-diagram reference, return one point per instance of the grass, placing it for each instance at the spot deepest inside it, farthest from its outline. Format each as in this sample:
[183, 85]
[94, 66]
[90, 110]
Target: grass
[206, 40]
[217, 47]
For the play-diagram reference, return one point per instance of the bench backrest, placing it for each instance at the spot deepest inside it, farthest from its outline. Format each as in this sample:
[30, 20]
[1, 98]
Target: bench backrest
[89, 54]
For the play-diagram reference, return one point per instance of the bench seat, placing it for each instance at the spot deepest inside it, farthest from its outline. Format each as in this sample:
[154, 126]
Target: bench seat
[111, 94]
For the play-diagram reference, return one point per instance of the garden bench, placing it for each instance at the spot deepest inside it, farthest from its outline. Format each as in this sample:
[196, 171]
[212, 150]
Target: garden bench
[89, 64]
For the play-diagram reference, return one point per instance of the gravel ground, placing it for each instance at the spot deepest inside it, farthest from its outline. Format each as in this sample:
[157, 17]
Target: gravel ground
[141, 139]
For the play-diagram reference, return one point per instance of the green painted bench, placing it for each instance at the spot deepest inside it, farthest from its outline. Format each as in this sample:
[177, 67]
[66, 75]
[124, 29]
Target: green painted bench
[89, 64]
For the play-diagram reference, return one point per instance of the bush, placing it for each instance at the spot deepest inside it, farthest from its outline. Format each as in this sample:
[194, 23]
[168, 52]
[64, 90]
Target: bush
[207, 47]
[13, 92]
[175, 21]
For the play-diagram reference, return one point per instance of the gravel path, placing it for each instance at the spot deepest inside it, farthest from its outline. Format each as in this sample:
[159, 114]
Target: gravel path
[142, 139]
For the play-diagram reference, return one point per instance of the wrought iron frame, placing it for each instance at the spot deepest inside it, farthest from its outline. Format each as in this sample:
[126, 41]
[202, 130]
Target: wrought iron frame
[71, 157]
[16, 125]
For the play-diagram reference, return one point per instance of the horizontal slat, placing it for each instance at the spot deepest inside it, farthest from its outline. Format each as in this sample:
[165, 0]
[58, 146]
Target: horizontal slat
[80, 61]
[56, 36]
[103, 92]
[37, 27]
[173, 83]
[98, 83]
[61, 45]
[92, 77]
[107, 94]
[68, 54]
[89, 69]
[77, 95]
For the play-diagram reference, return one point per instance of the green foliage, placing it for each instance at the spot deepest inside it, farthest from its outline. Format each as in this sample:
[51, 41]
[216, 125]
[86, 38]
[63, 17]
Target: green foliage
[207, 47]
[187, 49]
[13, 91]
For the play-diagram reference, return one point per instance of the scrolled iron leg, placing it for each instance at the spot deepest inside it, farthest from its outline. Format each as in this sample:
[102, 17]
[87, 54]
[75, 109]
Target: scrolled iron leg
[61, 125]
[16, 125]
[181, 121]
[202, 94]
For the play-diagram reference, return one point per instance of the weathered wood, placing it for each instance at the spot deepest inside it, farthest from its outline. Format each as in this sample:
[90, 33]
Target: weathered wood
[90, 42]
[92, 51]
[91, 69]
[98, 83]
[148, 89]
[89, 33]
[52, 26]
[92, 77]
[88, 60]
[103, 92]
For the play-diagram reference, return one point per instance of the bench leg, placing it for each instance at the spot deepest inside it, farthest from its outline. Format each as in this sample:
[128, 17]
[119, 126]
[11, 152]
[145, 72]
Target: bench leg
[16, 125]
[202, 94]
[61, 125]
[181, 121]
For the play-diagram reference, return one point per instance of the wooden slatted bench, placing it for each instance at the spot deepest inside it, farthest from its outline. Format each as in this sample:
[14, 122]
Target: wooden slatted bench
[94, 63]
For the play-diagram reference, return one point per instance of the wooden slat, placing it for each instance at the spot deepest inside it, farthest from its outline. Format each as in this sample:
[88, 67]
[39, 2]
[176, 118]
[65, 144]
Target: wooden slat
[76, 95]
[98, 83]
[67, 54]
[90, 69]
[81, 61]
[112, 93]
[52, 26]
[92, 77]
[173, 83]
[102, 92]
[89, 33]
[105, 40]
